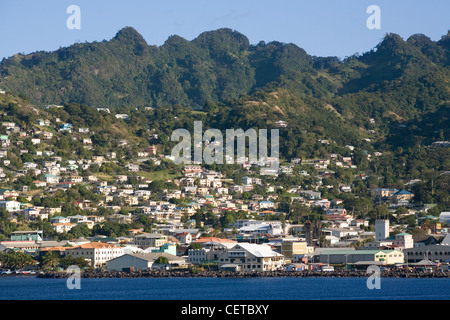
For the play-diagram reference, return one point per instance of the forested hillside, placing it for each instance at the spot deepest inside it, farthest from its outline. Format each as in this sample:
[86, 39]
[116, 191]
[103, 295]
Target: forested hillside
[393, 99]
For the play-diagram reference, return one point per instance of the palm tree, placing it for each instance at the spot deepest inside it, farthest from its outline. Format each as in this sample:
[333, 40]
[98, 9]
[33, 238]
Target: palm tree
[50, 260]
[16, 260]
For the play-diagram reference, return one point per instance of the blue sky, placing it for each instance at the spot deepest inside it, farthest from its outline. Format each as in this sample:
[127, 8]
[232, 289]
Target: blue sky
[321, 27]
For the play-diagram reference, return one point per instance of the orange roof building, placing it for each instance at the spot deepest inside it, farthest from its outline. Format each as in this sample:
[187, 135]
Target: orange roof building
[99, 253]
[214, 239]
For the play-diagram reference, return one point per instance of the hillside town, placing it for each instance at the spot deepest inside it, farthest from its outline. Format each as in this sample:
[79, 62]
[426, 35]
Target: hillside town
[200, 217]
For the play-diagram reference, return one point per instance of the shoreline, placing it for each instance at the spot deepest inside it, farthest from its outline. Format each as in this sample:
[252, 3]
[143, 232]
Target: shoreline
[251, 274]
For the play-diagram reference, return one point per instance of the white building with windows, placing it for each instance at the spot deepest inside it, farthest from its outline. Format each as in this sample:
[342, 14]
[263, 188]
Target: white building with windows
[361, 256]
[62, 227]
[98, 253]
[403, 241]
[10, 206]
[251, 257]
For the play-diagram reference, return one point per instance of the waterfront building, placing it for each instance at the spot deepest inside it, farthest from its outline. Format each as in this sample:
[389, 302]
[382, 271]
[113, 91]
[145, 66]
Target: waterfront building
[211, 248]
[144, 261]
[250, 256]
[435, 252]
[361, 256]
[98, 253]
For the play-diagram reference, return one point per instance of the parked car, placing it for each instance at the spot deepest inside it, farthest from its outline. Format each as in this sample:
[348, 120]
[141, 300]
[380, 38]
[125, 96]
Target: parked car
[327, 268]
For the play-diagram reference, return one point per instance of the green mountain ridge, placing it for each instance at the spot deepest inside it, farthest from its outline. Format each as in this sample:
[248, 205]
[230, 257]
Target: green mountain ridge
[248, 85]
[380, 111]
[214, 66]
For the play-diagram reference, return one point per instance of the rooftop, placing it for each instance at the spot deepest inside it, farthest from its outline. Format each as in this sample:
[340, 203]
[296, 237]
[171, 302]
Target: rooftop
[214, 239]
[94, 245]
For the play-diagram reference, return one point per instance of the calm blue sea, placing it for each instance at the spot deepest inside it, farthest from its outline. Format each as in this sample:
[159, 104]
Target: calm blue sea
[31, 288]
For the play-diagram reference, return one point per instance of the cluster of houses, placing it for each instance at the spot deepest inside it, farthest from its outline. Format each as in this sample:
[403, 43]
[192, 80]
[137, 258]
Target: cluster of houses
[262, 243]
[182, 248]
[397, 197]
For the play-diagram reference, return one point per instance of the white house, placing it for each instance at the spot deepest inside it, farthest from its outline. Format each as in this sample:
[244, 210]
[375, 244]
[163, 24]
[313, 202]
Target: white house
[122, 116]
[39, 184]
[10, 206]
[266, 204]
[51, 178]
[142, 194]
[59, 219]
[184, 237]
[63, 227]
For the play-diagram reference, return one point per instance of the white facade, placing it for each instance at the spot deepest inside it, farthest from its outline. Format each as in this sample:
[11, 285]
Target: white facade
[63, 227]
[10, 206]
[381, 229]
[97, 252]
[250, 256]
[445, 217]
[404, 241]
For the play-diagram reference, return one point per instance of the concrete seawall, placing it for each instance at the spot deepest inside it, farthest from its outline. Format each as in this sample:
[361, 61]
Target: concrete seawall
[253, 274]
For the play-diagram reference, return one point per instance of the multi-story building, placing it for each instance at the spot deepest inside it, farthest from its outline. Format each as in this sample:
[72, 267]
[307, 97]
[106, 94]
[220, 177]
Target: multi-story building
[98, 253]
[211, 249]
[10, 206]
[63, 227]
[354, 256]
[292, 248]
[146, 240]
[433, 252]
[251, 257]
[403, 241]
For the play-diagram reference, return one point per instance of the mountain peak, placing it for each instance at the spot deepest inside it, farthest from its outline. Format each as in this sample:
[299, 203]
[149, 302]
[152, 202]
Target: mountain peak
[445, 42]
[129, 36]
[391, 40]
[221, 36]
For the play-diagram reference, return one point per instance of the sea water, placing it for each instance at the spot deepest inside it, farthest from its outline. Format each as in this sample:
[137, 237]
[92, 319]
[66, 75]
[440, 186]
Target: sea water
[33, 288]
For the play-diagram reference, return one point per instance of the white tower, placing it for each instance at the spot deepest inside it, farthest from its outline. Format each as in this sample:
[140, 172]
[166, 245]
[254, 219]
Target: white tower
[381, 229]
